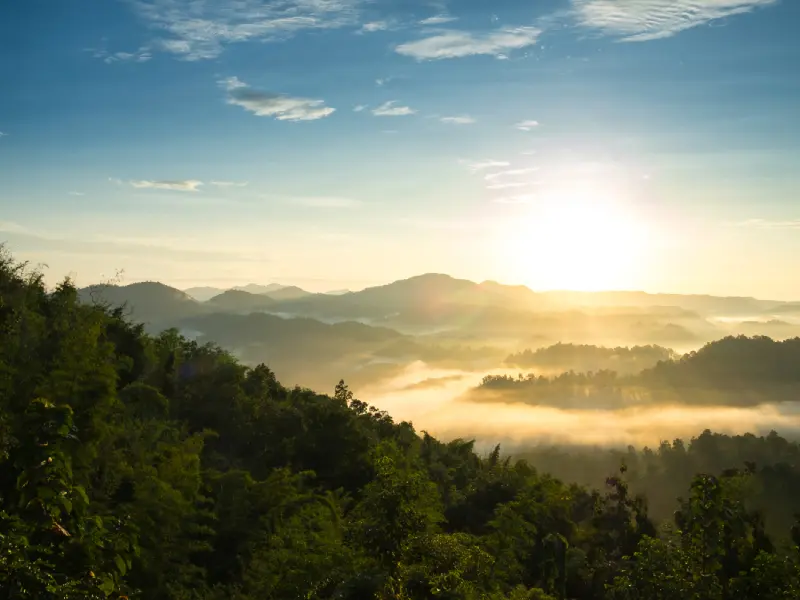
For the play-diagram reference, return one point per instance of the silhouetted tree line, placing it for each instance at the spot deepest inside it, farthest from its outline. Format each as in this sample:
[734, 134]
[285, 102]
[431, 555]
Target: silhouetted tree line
[134, 466]
[733, 371]
[585, 358]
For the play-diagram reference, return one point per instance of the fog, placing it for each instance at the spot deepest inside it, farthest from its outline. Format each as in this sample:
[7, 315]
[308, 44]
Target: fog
[436, 401]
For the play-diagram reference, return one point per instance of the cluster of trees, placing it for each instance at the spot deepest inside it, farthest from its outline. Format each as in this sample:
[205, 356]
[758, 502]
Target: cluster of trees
[773, 484]
[732, 371]
[152, 467]
[586, 358]
[733, 363]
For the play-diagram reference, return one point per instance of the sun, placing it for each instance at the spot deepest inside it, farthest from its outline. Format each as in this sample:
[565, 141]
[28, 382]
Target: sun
[578, 238]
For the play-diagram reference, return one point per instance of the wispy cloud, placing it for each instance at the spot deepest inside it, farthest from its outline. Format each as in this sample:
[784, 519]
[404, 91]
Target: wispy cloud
[269, 104]
[510, 173]
[12, 227]
[438, 20]
[181, 185]
[229, 183]
[462, 120]
[360, 107]
[382, 81]
[507, 185]
[374, 26]
[141, 55]
[3, 134]
[76, 194]
[389, 109]
[457, 44]
[200, 29]
[643, 20]
[770, 224]
[481, 165]
[526, 125]
[519, 199]
[326, 202]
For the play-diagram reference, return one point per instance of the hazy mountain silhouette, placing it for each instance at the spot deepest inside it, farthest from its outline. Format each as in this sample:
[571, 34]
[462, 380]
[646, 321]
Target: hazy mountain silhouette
[430, 292]
[705, 304]
[203, 293]
[254, 288]
[241, 301]
[288, 292]
[465, 312]
[274, 290]
[151, 303]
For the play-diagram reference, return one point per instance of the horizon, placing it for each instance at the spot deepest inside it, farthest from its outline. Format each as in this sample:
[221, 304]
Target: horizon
[326, 290]
[577, 145]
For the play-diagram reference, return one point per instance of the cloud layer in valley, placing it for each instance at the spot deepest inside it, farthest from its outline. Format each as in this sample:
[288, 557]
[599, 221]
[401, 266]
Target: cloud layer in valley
[442, 408]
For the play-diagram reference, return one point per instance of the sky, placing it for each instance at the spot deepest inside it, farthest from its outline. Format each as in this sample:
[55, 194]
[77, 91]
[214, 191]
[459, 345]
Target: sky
[561, 144]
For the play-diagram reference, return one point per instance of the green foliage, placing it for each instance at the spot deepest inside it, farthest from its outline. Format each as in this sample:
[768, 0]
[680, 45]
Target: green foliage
[154, 467]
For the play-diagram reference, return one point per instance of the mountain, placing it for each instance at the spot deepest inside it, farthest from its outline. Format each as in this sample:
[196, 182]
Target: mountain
[427, 293]
[704, 304]
[254, 288]
[241, 301]
[203, 294]
[152, 303]
[287, 292]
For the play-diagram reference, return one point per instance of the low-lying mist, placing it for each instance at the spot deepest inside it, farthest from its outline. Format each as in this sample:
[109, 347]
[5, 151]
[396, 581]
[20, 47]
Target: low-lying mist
[437, 401]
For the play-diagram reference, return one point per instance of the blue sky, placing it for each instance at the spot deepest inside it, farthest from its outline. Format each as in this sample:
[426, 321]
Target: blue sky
[639, 144]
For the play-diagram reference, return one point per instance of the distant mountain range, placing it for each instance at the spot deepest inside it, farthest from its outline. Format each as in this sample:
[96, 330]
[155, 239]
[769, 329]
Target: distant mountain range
[273, 290]
[432, 318]
[423, 300]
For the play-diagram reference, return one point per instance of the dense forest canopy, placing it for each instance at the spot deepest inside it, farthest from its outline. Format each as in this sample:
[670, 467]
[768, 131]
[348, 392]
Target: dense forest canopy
[155, 467]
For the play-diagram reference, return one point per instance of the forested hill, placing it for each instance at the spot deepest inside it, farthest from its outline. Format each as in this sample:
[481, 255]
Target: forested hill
[134, 466]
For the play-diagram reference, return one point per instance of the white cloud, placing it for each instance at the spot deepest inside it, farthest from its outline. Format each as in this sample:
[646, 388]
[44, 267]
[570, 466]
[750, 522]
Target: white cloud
[507, 185]
[481, 165]
[388, 109]
[141, 55]
[642, 20]
[76, 194]
[520, 199]
[2, 134]
[326, 202]
[462, 120]
[380, 82]
[438, 20]
[11, 227]
[183, 185]
[374, 26]
[229, 183]
[278, 106]
[510, 173]
[231, 83]
[200, 29]
[115, 180]
[457, 44]
[526, 125]
[360, 107]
